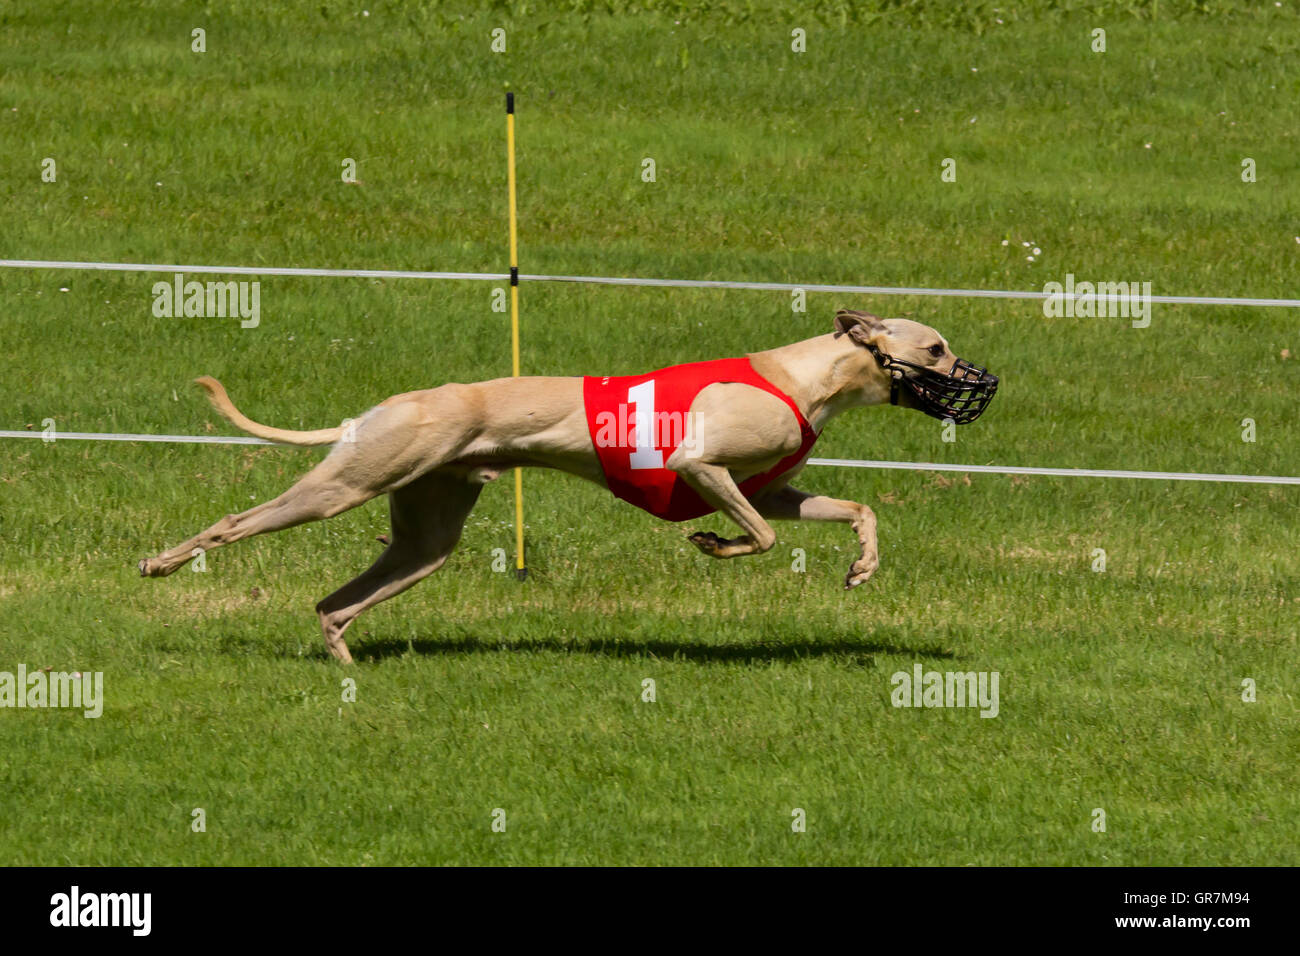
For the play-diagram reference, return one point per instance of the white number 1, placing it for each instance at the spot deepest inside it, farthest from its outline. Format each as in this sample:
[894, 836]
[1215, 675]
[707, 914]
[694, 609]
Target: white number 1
[643, 398]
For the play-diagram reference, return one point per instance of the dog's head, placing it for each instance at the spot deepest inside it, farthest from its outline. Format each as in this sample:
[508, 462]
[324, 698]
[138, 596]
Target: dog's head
[922, 371]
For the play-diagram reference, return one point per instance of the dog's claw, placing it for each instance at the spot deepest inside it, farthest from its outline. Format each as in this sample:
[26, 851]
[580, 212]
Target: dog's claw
[706, 541]
[855, 577]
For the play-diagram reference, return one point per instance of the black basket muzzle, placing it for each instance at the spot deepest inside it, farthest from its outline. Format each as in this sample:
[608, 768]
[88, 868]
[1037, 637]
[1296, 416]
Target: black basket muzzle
[961, 394]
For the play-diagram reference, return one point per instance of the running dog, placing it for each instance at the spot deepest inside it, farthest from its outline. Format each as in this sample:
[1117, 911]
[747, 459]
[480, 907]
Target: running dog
[744, 429]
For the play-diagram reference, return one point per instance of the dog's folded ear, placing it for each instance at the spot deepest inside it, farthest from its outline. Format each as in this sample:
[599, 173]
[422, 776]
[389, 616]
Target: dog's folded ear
[862, 327]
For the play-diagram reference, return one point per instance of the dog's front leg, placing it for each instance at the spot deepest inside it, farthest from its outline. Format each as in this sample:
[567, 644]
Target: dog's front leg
[716, 486]
[790, 504]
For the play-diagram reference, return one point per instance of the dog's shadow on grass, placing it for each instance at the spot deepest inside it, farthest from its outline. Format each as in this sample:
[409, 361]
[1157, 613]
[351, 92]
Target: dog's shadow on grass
[857, 651]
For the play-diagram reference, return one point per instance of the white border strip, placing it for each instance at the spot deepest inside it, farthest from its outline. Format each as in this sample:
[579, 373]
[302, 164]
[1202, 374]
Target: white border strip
[617, 280]
[834, 462]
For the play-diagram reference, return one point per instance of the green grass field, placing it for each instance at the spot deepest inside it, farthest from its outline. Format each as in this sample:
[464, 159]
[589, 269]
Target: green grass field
[1120, 690]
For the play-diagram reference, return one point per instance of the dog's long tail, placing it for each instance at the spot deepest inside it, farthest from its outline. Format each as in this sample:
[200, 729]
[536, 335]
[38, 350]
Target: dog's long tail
[222, 403]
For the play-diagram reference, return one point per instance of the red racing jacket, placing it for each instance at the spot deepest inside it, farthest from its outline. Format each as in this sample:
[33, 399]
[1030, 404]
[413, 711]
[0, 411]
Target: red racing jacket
[638, 421]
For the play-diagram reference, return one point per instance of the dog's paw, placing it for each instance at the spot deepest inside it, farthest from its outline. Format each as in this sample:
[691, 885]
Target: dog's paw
[860, 572]
[706, 541]
[153, 568]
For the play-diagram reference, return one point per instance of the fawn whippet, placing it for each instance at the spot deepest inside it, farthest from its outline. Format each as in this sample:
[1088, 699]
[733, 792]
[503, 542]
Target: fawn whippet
[748, 430]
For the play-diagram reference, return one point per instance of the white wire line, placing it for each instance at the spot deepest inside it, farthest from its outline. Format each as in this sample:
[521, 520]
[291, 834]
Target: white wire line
[917, 291]
[1058, 472]
[629, 281]
[832, 462]
[245, 270]
[171, 439]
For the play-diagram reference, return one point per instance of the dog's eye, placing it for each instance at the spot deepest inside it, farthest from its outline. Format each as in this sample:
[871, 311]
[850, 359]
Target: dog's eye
[936, 351]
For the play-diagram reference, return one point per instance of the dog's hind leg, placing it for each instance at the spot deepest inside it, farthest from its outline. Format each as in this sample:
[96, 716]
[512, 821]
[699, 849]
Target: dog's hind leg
[321, 493]
[388, 449]
[427, 517]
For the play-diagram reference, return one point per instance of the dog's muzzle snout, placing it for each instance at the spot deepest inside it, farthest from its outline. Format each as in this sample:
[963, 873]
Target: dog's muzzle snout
[960, 394]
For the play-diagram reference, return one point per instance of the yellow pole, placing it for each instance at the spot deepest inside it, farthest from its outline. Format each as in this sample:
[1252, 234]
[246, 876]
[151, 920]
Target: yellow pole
[521, 570]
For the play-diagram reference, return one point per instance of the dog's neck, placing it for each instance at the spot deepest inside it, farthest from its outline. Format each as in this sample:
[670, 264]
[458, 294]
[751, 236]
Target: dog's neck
[825, 376]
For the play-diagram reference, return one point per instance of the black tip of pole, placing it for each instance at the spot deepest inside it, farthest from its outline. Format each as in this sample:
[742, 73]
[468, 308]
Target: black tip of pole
[521, 573]
[510, 102]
